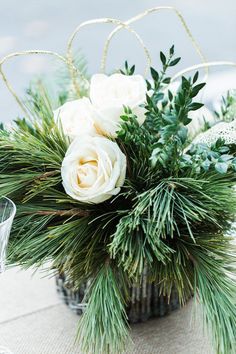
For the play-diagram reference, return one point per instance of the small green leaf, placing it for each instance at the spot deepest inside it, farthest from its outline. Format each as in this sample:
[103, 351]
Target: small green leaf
[132, 70]
[175, 62]
[163, 58]
[225, 158]
[182, 134]
[219, 143]
[166, 80]
[196, 89]
[169, 119]
[224, 149]
[185, 83]
[149, 86]
[154, 74]
[186, 120]
[206, 164]
[195, 106]
[195, 78]
[170, 95]
[124, 118]
[221, 167]
[172, 50]
[149, 100]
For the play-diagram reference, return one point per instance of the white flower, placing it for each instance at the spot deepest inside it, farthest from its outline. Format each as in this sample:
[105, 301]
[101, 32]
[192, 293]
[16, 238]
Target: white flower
[109, 95]
[76, 118]
[93, 169]
[199, 118]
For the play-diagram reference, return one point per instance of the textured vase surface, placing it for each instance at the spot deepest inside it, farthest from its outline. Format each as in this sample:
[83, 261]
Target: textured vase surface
[145, 299]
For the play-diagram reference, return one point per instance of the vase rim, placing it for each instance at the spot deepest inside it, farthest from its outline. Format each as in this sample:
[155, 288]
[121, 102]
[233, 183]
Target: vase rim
[13, 211]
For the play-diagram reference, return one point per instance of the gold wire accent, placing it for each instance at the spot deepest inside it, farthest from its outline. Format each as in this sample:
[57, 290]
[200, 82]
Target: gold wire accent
[74, 72]
[202, 66]
[98, 21]
[17, 54]
[141, 16]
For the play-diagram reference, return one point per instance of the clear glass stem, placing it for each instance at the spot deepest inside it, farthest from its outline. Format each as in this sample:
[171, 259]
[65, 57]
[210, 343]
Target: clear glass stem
[7, 213]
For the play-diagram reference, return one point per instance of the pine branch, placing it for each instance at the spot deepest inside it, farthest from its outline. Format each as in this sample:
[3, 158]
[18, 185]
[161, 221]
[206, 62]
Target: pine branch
[215, 272]
[103, 328]
[170, 217]
[133, 247]
[71, 212]
[31, 160]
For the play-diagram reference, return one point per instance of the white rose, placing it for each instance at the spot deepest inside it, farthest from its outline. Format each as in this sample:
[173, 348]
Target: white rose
[199, 119]
[109, 95]
[93, 169]
[76, 118]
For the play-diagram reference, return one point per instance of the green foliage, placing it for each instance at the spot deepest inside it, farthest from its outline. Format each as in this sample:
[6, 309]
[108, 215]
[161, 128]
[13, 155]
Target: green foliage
[160, 79]
[227, 111]
[161, 214]
[136, 142]
[103, 327]
[171, 216]
[128, 70]
[170, 123]
[214, 261]
[202, 158]
[66, 89]
[31, 159]
[134, 247]
[40, 105]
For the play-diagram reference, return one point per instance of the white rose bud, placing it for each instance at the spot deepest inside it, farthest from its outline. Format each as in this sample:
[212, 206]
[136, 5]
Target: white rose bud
[109, 95]
[93, 169]
[76, 118]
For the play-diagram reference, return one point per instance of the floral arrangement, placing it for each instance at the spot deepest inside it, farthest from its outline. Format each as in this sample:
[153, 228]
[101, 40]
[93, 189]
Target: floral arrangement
[132, 177]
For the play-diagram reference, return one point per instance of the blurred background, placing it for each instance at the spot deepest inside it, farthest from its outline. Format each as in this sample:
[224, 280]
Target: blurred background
[44, 24]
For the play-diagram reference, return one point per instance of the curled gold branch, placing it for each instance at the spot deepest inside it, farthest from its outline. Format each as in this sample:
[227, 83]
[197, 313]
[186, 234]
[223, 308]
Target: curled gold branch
[141, 16]
[202, 66]
[98, 21]
[74, 72]
[23, 53]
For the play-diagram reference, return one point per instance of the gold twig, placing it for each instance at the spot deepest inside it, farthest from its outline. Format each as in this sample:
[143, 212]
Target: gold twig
[97, 21]
[203, 65]
[16, 54]
[144, 14]
[74, 72]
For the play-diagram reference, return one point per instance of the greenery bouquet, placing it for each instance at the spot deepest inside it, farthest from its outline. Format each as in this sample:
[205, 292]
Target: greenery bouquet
[133, 178]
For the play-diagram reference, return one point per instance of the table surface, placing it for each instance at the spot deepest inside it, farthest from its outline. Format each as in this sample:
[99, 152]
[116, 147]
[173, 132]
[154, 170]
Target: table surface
[33, 320]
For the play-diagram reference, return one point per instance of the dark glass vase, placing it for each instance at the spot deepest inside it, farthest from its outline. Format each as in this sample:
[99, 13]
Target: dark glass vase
[145, 301]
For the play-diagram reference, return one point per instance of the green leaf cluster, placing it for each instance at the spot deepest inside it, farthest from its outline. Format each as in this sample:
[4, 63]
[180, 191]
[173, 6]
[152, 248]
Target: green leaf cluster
[227, 111]
[172, 216]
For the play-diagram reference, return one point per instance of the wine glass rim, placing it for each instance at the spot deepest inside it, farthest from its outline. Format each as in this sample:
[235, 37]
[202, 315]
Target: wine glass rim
[13, 211]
